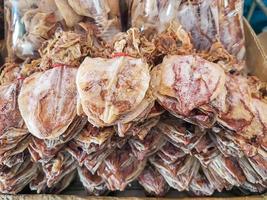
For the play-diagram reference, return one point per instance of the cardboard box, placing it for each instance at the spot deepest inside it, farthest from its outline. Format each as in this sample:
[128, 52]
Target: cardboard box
[256, 57]
[263, 41]
[257, 65]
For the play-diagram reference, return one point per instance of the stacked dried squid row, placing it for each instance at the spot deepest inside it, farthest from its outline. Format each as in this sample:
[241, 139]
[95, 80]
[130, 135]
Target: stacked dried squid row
[214, 140]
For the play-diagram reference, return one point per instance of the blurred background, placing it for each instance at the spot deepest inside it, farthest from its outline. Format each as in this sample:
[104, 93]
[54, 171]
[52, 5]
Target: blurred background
[256, 12]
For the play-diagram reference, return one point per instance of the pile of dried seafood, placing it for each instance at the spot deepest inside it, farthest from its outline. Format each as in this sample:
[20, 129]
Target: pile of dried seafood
[167, 103]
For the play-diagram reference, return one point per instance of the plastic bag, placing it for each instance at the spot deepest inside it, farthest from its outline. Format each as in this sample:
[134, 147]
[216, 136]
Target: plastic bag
[28, 26]
[231, 29]
[152, 16]
[104, 13]
[207, 21]
[211, 20]
[31, 22]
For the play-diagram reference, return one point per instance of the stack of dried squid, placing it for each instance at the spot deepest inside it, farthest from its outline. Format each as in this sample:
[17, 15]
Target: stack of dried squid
[17, 169]
[39, 100]
[47, 102]
[202, 148]
[210, 138]
[164, 109]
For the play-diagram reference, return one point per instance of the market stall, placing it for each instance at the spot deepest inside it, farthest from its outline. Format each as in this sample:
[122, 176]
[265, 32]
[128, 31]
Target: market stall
[175, 106]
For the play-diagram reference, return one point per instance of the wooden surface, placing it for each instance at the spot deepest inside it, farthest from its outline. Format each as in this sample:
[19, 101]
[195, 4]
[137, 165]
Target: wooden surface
[72, 197]
[263, 41]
